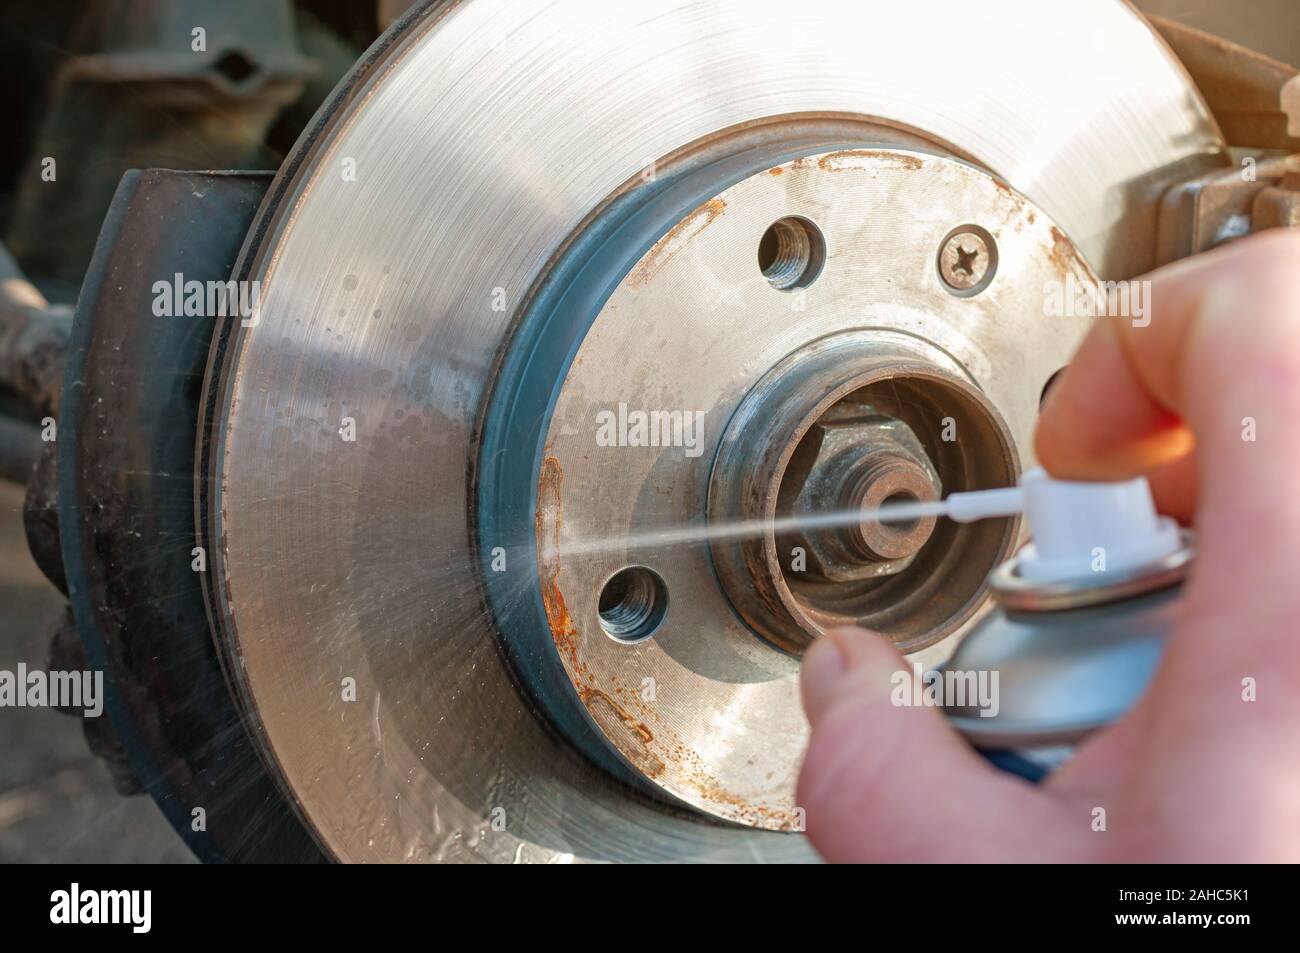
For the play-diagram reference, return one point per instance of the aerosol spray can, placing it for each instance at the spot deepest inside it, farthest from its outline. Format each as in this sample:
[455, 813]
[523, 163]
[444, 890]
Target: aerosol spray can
[1081, 615]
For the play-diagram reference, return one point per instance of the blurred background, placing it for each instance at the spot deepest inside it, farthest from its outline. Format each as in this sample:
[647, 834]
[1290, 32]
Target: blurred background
[103, 86]
[1271, 27]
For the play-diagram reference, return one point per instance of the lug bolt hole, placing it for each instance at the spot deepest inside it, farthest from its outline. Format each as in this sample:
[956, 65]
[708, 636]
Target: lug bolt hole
[633, 603]
[791, 253]
[1042, 395]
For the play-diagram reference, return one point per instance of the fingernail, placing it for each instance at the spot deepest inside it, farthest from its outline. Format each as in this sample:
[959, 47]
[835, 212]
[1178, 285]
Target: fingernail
[823, 667]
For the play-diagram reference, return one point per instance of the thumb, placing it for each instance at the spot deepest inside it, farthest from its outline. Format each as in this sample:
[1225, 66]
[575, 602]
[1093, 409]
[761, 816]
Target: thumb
[888, 782]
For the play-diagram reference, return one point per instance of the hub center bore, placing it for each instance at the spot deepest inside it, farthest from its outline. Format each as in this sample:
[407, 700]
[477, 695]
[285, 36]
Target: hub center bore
[851, 422]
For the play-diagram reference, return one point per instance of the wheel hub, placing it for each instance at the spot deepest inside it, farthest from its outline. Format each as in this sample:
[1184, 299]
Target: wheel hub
[853, 374]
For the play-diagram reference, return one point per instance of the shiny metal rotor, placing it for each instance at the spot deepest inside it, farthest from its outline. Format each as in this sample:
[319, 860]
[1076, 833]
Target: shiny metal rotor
[433, 259]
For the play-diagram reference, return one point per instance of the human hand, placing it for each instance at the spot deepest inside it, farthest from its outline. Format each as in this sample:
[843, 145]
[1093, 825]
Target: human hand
[1204, 400]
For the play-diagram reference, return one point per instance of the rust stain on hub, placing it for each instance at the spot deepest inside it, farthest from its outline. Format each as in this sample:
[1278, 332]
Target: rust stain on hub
[1065, 256]
[547, 525]
[626, 731]
[629, 735]
[677, 238]
[881, 161]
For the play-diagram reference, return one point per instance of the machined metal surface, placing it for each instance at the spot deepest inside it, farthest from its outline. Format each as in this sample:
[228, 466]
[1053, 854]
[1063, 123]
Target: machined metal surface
[407, 240]
[877, 328]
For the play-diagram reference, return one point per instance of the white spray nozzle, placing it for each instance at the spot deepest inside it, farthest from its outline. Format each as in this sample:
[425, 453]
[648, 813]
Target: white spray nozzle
[984, 504]
[1078, 529]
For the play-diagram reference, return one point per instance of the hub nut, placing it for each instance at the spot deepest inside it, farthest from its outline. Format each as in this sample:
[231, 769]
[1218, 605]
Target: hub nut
[856, 457]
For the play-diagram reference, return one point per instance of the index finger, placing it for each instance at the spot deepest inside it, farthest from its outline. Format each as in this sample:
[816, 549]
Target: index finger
[1215, 373]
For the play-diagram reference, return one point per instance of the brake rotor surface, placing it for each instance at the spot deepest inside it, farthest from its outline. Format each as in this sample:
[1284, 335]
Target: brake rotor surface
[445, 239]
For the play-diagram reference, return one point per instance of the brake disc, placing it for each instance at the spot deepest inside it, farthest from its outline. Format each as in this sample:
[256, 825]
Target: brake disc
[543, 287]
